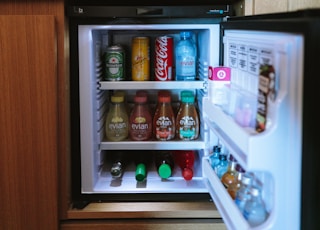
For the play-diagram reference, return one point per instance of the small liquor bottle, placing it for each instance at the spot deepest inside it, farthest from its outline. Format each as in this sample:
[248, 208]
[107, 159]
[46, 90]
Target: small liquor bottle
[222, 167]
[119, 162]
[255, 210]
[142, 161]
[228, 177]
[164, 163]
[185, 159]
[236, 184]
[243, 194]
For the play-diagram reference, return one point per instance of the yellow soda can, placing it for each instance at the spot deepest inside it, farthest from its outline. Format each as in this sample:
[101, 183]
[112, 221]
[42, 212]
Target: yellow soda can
[140, 59]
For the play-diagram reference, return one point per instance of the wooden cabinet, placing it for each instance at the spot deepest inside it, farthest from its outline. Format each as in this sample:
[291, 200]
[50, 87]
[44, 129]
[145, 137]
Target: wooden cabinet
[33, 114]
[28, 118]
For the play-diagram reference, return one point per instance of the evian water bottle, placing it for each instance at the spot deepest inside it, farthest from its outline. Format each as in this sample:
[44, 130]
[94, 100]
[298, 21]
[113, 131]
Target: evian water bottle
[186, 57]
[164, 58]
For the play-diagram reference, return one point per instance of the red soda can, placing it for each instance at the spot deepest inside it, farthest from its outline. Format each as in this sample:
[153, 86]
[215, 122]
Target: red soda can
[163, 58]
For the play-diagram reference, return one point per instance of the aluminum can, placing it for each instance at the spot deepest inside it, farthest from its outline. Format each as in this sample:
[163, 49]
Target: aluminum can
[163, 58]
[140, 59]
[114, 63]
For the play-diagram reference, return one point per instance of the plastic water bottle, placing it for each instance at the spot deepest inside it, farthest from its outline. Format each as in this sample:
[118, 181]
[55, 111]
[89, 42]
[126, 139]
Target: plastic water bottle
[186, 57]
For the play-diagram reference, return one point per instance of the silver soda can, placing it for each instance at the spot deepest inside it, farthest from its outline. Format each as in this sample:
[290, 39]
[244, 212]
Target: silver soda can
[114, 63]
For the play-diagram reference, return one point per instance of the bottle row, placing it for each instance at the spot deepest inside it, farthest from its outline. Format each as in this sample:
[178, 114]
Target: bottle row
[183, 56]
[242, 186]
[142, 124]
[163, 161]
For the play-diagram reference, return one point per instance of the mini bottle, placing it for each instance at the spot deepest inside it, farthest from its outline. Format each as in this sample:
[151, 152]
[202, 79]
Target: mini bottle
[214, 157]
[187, 120]
[117, 119]
[185, 160]
[255, 211]
[164, 119]
[243, 194]
[222, 167]
[185, 57]
[229, 176]
[142, 161]
[236, 184]
[164, 162]
[119, 162]
[140, 121]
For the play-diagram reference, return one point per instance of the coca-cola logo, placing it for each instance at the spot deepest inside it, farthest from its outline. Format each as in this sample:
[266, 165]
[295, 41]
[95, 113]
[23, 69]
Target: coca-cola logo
[161, 70]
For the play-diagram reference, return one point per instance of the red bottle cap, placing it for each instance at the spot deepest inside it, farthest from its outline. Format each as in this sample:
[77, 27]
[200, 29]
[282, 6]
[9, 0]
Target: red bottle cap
[187, 173]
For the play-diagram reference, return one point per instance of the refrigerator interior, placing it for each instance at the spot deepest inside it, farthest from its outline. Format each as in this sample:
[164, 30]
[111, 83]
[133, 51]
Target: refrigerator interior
[94, 95]
[252, 150]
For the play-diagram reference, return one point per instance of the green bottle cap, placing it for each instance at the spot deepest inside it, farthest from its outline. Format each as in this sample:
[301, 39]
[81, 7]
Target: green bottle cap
[141, 172]
[164, 171]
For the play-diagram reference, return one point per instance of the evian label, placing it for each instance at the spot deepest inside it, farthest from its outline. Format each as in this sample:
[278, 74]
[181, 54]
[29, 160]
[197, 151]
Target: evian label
[164, 58]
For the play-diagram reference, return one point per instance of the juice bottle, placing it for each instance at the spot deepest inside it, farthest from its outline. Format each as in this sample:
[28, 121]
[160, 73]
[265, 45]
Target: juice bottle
[185, 159]
[117, 119]
[187, 120]
[164, 119]
[164, 163]
[140, 121]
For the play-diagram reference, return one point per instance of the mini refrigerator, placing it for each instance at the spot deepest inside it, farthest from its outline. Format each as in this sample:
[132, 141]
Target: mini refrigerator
[281, 155]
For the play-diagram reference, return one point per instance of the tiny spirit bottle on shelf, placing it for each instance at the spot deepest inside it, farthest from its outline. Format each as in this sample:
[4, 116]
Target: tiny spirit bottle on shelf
[185, 160]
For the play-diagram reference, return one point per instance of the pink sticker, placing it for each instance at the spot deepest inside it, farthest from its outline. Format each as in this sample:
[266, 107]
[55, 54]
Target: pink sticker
[221, 74]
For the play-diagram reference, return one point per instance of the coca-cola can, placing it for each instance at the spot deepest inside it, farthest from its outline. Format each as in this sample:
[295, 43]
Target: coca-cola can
[163, 58]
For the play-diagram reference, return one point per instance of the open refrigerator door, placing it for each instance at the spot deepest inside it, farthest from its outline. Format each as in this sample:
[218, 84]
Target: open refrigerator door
[272, 154]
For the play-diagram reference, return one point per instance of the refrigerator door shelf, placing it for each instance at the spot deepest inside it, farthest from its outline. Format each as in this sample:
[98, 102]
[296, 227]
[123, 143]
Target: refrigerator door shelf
[252, 150]
[137, 85]
[154, 145]
[230, 213]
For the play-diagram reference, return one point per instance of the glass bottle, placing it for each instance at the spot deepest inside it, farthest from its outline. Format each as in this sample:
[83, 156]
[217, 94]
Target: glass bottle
[164, 162]
[229, 176]
[187, 120]
[222, 167]
[119, 162]
[186, 57]
[142, 161]
[236, 184]
[185, 159]
[117, 119]
[164, 119]
[214, 157]
[255, 211]
[140, 121]
[243, 194]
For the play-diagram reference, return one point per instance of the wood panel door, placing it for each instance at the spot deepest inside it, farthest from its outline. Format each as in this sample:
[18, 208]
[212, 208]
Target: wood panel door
[28, 122]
